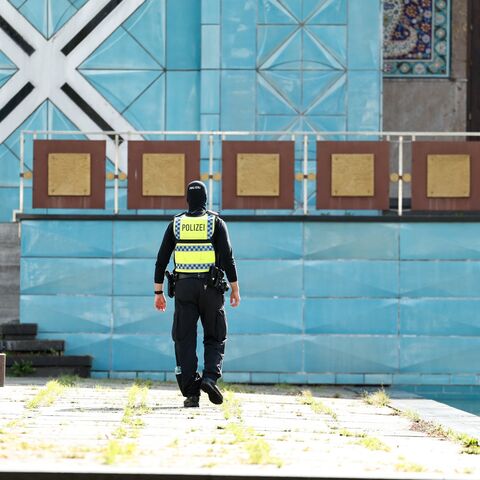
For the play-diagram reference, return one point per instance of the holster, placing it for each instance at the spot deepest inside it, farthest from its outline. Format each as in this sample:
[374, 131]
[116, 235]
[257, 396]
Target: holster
[170, 283]
[216, 280]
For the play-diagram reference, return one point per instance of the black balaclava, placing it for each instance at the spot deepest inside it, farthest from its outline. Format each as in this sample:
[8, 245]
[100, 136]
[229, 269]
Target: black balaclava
[196, 196]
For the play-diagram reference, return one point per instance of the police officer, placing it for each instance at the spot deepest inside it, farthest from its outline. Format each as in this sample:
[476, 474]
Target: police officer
[200, 242]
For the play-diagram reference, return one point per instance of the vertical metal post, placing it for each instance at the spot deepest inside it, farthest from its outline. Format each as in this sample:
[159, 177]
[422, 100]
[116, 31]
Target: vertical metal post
[210, 171]
[3, 362]
[305, 174]
[115, 181]
[400, 175]
[22, 169]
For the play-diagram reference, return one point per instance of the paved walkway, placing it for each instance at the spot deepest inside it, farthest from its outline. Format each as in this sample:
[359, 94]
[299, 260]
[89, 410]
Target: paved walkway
[97, 425]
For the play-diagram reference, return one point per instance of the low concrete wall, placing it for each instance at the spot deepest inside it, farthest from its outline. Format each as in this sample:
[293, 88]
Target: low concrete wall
[323, 302]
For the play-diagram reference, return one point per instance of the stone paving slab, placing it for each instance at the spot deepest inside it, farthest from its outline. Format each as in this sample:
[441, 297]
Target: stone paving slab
[260, 430]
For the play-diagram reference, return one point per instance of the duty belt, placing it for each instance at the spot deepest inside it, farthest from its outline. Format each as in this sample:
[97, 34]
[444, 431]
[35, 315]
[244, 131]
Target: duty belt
[181, 276]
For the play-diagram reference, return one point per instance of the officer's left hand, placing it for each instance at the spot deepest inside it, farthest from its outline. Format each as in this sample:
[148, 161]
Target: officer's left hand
[160, 302]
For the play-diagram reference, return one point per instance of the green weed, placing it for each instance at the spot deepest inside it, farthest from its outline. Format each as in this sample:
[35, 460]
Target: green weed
[115, 451]
[46, 396]
[22, 368]
[373, 443]
[316, 405]
[379, 398]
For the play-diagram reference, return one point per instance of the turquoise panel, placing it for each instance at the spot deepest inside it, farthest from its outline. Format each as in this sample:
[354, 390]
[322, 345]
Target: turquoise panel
[319, 378]
[211, 11]
[6, 63]
[97, 345]
[138, 239]
[378, 379]
[266, 315]
[147, 25]
[121, 87]
[264, 353]
[236, 377]
[137, 315]
[147, 112]
[364, 36]
[211, 55]
[66, 276]
[133, 277]
[210, 101]
[355, 278]
[256, 277]
[277, 41]
[183, 34]
[278, 92]
[351, 316]
[67, 314]
[142, 352]
[120, 51]
[5, 76]
[264, 240]
[183, 100]
[440, 279]
[333, 39]
[9, 167]
[324, 92]
[431, 241]
[363, 110]
[272, 11]
[8, 203]
[439, 354]
[440, 316]
[265, 378]
[331, 12]
[351, 241]
[36, 12]
[66, 239]
[238, 33]
[316, 56]
[237, 97]
[349, 379]
[352, 354]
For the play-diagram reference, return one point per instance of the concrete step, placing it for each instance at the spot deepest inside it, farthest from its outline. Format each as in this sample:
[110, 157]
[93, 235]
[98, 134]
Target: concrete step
[50, 360]
[81, 371]
[53, 346]
[19, 331]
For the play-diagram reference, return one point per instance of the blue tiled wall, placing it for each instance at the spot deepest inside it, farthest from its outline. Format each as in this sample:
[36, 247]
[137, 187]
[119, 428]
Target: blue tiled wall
[321, 301]
[304, 65]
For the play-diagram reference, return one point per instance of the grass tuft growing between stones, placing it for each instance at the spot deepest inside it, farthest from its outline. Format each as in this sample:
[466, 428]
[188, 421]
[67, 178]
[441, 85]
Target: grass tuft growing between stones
[408, 467]
[46, 396]
[316, 405]
[379, 398]
[116, 451]
[373, 443]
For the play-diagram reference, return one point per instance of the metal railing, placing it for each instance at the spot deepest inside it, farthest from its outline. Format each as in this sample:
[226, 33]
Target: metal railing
[116, 150]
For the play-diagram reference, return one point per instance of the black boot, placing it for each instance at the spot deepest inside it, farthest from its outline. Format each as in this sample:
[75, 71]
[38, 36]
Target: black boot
[192, 401]
[209, 386]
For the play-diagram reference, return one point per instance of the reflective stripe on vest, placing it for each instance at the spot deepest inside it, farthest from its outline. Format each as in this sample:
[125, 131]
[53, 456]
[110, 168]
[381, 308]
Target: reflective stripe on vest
[196, 253]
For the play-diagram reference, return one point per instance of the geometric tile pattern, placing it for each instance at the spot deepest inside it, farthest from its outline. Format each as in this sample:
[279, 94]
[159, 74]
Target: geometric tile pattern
[343, 316]
[48, 16]
[417, 38]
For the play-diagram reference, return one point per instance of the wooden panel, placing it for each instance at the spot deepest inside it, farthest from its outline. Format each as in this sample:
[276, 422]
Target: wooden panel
[166, 186]
[360, 184]
[230, 197]
[421, 200]
[83, 196]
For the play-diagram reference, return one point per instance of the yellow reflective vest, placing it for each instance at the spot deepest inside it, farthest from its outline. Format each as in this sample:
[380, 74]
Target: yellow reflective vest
[194, 252]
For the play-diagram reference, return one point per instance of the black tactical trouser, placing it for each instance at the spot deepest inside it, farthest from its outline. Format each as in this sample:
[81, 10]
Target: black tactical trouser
[193, 299]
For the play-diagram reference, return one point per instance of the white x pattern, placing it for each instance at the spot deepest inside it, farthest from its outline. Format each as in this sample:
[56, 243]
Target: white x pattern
[47, 69]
